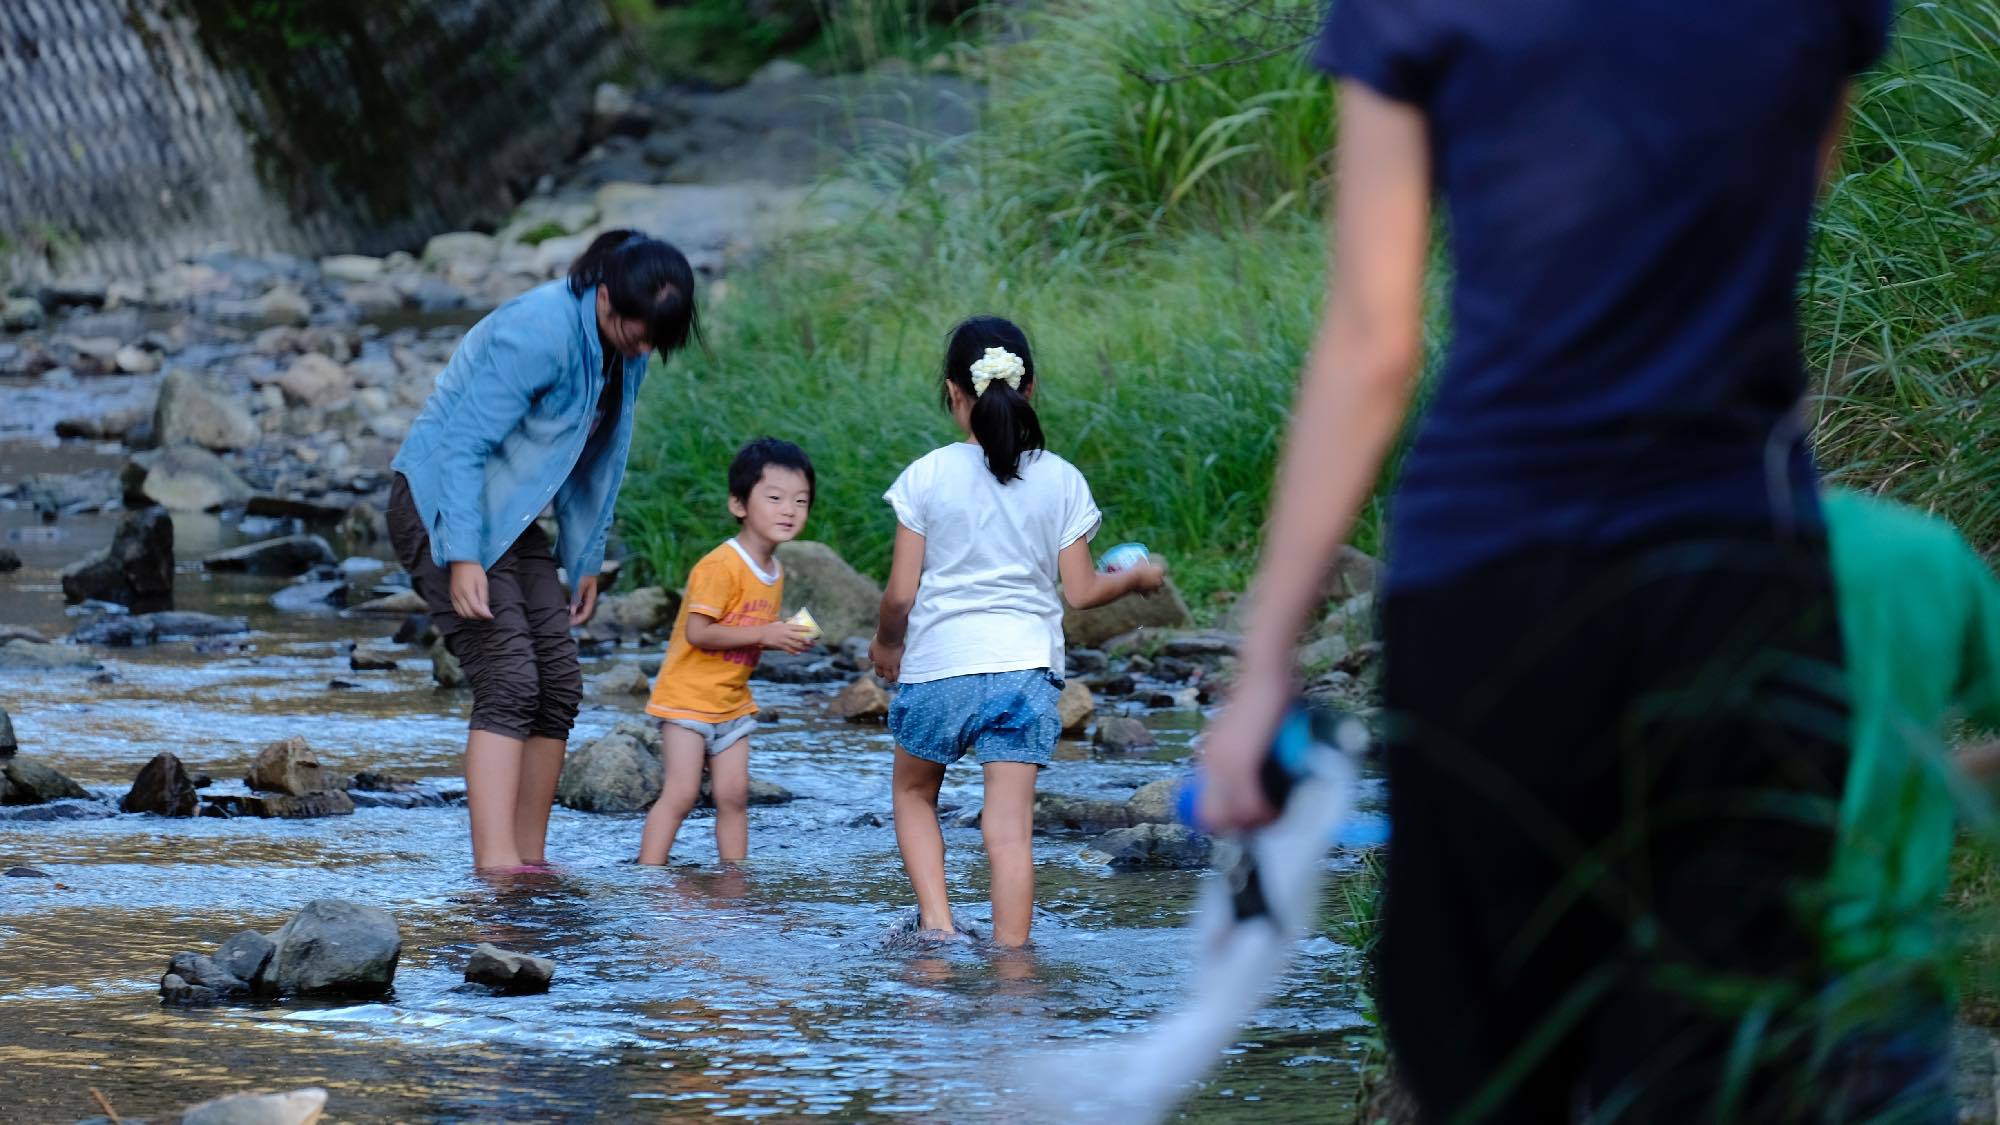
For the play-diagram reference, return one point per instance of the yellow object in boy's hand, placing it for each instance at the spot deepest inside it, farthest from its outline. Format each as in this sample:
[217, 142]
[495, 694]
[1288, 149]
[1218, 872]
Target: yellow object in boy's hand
[804, 619]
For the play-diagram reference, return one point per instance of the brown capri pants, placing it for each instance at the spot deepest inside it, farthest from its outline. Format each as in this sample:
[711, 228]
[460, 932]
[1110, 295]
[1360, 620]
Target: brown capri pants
[522, 664]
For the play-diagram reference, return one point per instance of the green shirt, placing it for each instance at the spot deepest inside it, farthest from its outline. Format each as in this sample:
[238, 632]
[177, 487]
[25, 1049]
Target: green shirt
[1920, 616]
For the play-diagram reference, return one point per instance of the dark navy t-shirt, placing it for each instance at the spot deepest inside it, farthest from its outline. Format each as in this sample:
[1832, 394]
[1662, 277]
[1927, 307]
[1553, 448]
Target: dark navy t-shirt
[1627, 186]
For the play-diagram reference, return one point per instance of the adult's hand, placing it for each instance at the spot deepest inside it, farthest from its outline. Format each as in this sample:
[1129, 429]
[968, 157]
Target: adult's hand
[468, 590]
[585, 602]
[1232, 753]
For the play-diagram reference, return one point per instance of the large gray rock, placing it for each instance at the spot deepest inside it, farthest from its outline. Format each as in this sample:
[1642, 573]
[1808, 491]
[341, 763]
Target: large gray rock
[507, 972]
[186, 478]
[1151, 846]
[297, 1107]
[196, 969]
[1120, 733]
[285, 556]
[246, 956]
[21, 656]
[622, 679]
[130, 630]
[843, 600]
[1155, 802]
[8, 743]
[137, 568]
[190, 412]
[336, 948]
[32, 783]
[1090, 628]
[647, 610]
[1056, 812]
[289, 766]
[162, 788]
[316, 381]
[613, 775]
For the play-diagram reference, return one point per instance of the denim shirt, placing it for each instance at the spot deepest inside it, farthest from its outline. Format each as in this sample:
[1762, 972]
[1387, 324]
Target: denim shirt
[507, 428]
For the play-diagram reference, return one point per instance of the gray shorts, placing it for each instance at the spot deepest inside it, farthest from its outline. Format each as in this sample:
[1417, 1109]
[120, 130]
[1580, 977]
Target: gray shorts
[715, 737]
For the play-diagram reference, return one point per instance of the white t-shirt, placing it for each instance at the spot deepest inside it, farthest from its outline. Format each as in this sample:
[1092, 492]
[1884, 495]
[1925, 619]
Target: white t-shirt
[988, 600]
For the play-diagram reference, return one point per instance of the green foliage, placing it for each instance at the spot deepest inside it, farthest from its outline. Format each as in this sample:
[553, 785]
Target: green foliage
[542, 232]
[1902, 302]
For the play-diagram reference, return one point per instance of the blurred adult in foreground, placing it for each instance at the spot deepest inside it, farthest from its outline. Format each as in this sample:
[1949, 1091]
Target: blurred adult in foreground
[1612, 664]
[534, 407]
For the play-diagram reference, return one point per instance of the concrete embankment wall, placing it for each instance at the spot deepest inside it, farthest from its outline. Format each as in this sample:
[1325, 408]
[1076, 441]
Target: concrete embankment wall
[135, 132]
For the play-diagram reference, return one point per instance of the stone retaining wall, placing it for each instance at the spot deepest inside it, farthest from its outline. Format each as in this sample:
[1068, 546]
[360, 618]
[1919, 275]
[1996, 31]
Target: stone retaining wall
[135, 132]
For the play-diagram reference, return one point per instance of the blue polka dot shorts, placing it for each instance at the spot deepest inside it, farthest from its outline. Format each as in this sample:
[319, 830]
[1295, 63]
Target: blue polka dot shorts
[994, 716]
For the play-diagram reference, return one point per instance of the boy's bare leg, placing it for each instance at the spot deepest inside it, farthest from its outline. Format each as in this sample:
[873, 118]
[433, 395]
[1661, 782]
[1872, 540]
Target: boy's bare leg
[541, 768]
[683, 753]
[729, 784]
[1008, 823]
[919, 837]
[492, 792]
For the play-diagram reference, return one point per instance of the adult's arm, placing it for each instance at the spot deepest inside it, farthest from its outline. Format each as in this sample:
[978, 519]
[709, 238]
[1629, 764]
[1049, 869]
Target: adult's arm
[1355, 392]
[519, 358]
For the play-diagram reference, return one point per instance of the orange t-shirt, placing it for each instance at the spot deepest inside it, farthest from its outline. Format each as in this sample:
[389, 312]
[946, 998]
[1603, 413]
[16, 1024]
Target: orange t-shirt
[708, 686]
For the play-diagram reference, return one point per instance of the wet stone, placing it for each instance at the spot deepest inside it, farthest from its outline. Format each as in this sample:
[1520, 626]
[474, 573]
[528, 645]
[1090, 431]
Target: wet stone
[246, 956]
[1120, 734]
[285, 556]
[178, 993]
[1151, 847]
[31, 783]
[203, 972]
[509, 973]
[162, 788]
[336, 948]
[23, 873]
[863, 701]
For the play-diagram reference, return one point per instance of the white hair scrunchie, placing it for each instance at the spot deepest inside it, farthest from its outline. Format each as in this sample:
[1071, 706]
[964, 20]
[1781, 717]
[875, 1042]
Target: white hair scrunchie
[1000, 364]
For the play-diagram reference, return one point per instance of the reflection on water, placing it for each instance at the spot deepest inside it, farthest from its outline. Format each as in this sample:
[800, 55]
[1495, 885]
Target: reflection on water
[752, 991]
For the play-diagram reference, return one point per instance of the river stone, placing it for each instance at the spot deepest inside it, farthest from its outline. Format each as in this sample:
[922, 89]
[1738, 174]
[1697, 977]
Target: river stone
[761, 793]
[399, 603]
[804, 668]
[351, 268]
[370, 659]
[464, 248]
[204, 972]
[286, 556]
[863, 701]
[316, 381]
[246, 956]
[622, 679]
[1151, 846]
[286, 806]
[24, 873]
[189, 411]
[648, 609]
[1156, 802]
[162, 788]
[1122, 733]
[137, 567]
[186, 478]
[289, 766]
[32, 783]
[844, 601]
[178, 993]
[298, 1107]
[146, 628]
[445, 669]
[8, 743]
[362, 523]
[1075, 707]
[509, 973]
[20, 314]
[20, 655]
[336, 948]
[612, 775]
[1090, 628]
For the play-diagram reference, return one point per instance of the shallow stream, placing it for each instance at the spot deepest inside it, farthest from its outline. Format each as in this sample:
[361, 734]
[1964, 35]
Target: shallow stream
[680, 993]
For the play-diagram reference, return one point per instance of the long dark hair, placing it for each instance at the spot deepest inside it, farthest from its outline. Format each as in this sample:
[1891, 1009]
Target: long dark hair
[647, 279]
[1003, 421]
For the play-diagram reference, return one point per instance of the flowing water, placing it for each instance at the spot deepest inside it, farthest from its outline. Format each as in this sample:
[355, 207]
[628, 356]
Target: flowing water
[680, 993]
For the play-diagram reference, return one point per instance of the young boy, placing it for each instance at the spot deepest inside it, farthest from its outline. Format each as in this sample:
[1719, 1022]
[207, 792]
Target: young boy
[728, 617]
[1920, 621]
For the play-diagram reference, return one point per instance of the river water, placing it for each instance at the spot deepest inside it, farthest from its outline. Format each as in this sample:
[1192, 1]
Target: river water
[682, 993]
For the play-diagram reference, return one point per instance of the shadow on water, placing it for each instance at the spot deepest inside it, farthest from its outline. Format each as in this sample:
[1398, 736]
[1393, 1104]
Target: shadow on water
[690, 991]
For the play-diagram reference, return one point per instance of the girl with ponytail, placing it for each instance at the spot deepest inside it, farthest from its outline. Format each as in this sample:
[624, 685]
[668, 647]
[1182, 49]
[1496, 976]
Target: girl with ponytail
[534, 408]
[971, 623]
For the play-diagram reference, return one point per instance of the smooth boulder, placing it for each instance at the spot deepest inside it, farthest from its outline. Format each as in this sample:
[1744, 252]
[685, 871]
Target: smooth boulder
[204, 972]
[1057, 812]
[507, 972]
[138, 566]
[614, 774]
[190, 412]
[336, 948]
[622, 679]
[843, 600]
[1122, 734]
[28, 656]
[1090, 628]
[162, 788]
[289, 766]
[647, 610]
[246, 956]
[186, 478]
[863, 701]
[285, 556]
[297, 1107]
[1152, 846]
[32, 783]
[1156, 802]
[1075, 707]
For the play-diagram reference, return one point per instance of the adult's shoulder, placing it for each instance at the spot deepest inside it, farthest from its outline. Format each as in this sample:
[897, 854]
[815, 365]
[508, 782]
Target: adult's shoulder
[542, 320]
